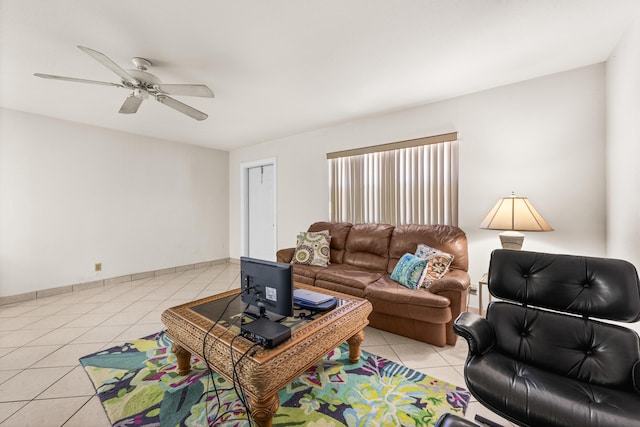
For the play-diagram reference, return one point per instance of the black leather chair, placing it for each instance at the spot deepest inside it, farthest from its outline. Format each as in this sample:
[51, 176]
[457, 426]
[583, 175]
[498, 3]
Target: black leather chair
[538, 359]
[452, 420]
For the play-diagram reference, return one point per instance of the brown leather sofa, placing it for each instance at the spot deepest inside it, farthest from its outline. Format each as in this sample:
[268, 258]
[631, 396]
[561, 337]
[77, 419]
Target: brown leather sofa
[363, 257]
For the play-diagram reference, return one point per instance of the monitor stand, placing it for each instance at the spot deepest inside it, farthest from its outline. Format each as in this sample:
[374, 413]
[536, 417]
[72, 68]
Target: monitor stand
[258, 312]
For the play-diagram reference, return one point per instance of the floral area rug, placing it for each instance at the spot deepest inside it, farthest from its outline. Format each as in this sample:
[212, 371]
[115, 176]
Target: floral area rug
[138, 386]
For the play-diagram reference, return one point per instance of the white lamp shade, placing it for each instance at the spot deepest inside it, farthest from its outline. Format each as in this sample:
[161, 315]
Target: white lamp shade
[515, 213]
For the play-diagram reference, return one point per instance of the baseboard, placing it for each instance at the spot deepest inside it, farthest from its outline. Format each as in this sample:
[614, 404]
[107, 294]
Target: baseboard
[43, 293]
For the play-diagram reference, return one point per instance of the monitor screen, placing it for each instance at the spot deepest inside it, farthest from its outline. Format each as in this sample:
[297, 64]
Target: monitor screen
[267, 285]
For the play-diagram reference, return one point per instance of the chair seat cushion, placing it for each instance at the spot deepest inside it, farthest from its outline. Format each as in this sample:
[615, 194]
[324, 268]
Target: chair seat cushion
[539, 398]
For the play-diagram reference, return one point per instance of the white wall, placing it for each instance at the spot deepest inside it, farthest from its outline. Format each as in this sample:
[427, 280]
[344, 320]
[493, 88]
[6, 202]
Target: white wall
[543, 138]
[623, 151]
[72, 195]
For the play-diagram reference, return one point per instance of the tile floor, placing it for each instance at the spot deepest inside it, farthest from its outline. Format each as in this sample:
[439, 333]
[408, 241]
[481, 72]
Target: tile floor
[42, 383]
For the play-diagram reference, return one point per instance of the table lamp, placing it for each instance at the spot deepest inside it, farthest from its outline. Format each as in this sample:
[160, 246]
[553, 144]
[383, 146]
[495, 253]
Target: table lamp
[514, 214]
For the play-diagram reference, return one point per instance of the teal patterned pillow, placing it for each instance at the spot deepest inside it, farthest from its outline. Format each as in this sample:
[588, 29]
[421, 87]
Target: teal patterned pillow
[409, 270]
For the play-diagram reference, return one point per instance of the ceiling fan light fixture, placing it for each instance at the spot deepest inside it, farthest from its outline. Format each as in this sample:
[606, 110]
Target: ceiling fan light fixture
[140, 94]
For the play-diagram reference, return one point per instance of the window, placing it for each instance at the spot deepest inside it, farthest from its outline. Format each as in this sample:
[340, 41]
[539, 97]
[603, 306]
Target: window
[407, 182]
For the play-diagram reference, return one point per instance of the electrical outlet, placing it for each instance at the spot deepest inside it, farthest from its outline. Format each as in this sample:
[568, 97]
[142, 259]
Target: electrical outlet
[98, 266]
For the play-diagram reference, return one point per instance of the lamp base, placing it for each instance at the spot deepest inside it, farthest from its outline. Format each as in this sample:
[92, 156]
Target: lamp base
[511, 240]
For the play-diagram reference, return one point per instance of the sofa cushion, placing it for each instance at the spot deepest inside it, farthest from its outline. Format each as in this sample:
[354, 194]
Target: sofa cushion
[445, 238]
[312, 248]
[348, 276]
[392, 298]
[339, 232]
[304, 270]
[368, 246]
[409, 271]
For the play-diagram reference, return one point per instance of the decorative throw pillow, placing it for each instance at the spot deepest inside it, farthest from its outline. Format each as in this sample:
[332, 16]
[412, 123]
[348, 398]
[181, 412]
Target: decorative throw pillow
[408, 271]
[424, 251]
[312, 248]
[437, 264]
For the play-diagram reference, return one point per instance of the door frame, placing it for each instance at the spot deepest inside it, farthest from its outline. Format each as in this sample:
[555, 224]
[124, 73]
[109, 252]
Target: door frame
[244, 200]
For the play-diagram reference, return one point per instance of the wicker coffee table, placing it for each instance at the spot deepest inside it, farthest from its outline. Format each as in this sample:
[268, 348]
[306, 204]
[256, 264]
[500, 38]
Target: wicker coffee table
[263, 373]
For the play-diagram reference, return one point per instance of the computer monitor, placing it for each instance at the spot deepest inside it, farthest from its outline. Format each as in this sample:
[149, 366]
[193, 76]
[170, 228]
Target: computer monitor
[267, 287]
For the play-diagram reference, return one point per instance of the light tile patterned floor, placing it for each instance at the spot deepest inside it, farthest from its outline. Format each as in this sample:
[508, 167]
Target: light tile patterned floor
[42, 383]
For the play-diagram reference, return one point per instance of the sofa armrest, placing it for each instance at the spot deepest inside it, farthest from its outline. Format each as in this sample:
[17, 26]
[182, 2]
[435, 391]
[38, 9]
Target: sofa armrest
[476, 330]
[454, 280]
[285, 255]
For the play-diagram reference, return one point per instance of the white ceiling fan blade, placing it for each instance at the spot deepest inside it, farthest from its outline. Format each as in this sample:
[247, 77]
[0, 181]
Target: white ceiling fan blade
[183, 108]
[73, 79]
[186, 90]
[130, 105]
[104, 60]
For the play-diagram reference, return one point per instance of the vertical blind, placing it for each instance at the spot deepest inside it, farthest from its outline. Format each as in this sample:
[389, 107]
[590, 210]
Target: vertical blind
[409, 182]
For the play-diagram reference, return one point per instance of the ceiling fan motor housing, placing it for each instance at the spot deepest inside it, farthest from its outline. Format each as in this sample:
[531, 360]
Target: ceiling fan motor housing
[145, 79]
[141, 63]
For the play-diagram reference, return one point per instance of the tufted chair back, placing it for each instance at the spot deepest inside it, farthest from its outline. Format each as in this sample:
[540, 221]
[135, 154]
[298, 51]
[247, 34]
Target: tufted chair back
[531, 324]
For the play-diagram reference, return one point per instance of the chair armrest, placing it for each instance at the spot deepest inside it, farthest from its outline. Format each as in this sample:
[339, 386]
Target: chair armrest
[636, 376]
[476, 330]
[454, 280]
[285, 255]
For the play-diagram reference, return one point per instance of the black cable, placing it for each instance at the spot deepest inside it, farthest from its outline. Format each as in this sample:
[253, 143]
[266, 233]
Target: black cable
[236, 382]
[206, 361]
[237, 385]
[240, 386]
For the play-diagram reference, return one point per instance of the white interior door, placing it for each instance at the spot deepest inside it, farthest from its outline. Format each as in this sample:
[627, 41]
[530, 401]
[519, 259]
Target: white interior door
[261, 220]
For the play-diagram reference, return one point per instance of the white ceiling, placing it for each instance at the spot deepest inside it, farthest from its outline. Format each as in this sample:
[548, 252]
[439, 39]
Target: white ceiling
[281, 67]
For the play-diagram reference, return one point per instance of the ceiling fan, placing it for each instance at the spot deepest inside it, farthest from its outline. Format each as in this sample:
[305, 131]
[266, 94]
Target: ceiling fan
[142, 84]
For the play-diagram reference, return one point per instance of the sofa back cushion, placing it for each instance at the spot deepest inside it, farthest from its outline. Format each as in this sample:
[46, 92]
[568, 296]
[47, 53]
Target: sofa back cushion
[338, 232]
[368, 246]
[445, 238]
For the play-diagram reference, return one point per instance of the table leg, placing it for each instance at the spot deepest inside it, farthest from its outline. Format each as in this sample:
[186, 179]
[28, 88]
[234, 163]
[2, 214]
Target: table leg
[184, 359]
[354, 346]
[262, 411]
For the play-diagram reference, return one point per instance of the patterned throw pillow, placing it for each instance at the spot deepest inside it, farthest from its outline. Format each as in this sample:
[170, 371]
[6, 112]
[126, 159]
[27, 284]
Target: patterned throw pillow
[437, 264]
[312, 248]
[408, 271]
[424, 251]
